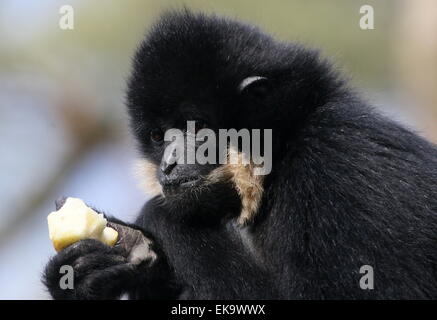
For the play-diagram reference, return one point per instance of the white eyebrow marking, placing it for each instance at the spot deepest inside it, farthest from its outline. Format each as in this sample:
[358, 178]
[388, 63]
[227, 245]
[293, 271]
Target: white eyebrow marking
[248, 81]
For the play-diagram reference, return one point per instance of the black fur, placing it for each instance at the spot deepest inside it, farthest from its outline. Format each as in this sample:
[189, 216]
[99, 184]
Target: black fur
[348, 186]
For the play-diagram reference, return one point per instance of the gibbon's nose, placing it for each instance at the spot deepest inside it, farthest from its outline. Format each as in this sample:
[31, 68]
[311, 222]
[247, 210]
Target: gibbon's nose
[169, 160]
[166, 168]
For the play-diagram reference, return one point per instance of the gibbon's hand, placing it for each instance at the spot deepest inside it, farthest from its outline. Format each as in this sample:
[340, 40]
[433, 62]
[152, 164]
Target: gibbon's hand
[101, 271]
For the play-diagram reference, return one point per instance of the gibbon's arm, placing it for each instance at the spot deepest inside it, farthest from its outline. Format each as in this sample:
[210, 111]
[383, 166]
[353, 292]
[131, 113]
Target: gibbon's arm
[209, 262]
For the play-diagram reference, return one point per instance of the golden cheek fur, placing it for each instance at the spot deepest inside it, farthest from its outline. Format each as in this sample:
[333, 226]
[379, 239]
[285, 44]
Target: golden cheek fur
[146, 170]
[248, 185]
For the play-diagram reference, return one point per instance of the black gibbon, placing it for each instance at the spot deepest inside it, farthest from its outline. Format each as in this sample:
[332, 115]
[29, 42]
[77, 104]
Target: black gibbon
[348, 187]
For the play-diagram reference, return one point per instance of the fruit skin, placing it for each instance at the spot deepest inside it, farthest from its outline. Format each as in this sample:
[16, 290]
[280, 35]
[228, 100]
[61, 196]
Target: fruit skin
[75, 221]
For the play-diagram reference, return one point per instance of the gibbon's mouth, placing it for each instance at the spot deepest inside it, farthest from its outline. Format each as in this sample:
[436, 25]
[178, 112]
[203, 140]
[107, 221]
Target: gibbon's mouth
[175, 186]
[189, 182]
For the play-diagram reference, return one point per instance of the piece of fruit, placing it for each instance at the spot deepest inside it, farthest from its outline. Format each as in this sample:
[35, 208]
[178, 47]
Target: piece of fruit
[76, 221]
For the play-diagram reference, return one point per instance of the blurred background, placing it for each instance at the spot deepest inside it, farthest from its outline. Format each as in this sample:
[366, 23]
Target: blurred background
[63, 127]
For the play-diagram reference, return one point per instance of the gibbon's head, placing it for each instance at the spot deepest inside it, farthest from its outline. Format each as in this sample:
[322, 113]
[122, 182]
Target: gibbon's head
[221, 74]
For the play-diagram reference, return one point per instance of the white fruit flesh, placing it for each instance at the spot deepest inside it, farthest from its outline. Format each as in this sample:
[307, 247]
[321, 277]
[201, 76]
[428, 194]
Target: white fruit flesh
[109, 236]
[76, 221]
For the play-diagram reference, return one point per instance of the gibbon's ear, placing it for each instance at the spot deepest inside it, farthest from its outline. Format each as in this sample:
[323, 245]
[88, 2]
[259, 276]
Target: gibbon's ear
[255, 86]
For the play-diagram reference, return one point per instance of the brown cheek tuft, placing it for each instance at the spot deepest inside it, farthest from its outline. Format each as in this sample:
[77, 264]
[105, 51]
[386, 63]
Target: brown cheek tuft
[248, 185]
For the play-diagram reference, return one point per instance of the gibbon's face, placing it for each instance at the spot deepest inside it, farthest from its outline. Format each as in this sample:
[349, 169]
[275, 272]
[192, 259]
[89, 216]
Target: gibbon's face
[184, 182]
[168, 173]
[164, 173]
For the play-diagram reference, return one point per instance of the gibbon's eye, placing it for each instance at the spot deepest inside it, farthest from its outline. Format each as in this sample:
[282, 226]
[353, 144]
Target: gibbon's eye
[156, 135]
